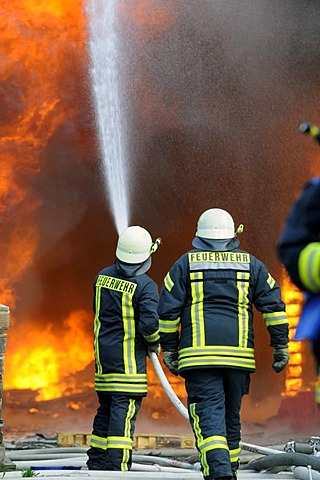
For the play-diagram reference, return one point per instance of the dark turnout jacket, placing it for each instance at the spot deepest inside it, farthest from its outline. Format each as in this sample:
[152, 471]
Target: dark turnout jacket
[299, 244]
[125, 323]
[206, 308]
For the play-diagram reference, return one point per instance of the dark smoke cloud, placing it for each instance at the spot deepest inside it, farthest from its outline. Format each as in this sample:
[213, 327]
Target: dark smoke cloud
[217, 96]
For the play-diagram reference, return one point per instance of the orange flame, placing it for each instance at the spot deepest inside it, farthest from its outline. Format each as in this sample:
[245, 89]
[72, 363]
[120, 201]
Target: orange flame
[296, 380]
[40, 360]
[37, 36]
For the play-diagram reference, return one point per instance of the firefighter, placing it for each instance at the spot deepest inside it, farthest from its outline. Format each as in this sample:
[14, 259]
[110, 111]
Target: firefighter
[206, 329]
[126, 329]
[299, 250]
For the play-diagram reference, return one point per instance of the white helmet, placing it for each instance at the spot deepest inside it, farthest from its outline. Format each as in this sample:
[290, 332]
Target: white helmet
[134, 245]
[215, 223]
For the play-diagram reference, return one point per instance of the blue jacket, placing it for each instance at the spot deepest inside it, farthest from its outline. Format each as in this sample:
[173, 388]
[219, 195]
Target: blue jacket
[299, 244]
[299, 250]
[206, 308]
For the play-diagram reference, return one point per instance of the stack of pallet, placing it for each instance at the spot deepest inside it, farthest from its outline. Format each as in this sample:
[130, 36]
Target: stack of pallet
[5, 463]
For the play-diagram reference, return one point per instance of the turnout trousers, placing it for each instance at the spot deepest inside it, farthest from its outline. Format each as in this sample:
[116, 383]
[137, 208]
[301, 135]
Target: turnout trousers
[113, 429]
[214, 403]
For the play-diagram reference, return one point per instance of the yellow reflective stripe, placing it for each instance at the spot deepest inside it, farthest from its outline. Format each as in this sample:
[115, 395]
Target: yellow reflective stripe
[127, 433]
[98, 442]
[154, 337]
[130, 365]
[212, 443]
[317, 390]
[124, 467]
[217, 361]
[168, 283]
[113, 382]
[243, 305]
[309, 267]
[97, 326]
[275, 318]
[197, 318]
[122, 377]
[119, 442]
[271, 281]
[234, 455]
[216, 350]
[199, 438]
[169, 326]
[121, 387]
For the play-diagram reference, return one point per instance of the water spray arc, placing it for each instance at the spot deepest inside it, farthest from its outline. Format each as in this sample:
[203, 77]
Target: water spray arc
[104, 71]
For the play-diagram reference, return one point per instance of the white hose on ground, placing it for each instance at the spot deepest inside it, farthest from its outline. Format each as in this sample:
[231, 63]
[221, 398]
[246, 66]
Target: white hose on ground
[303, 473]
[80, 462]
[153, 474]
[165, 462]
[184, 411]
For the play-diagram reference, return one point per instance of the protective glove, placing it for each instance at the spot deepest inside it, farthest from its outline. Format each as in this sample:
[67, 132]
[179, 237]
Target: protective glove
[281, 357]
[154, 349]
[170, 359]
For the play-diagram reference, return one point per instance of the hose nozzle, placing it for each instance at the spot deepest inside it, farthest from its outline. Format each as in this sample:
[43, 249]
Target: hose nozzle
[311, 129]
[156, 244]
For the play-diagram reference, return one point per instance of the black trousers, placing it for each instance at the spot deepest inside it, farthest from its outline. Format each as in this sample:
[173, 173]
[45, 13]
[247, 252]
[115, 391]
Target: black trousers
[112, 435]
[214, 403]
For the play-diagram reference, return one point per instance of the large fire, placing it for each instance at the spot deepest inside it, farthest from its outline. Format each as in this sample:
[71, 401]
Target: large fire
[37, 39]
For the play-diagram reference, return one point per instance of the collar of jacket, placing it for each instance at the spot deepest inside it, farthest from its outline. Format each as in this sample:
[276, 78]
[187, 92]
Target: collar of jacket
[133, 269]
[215, 245]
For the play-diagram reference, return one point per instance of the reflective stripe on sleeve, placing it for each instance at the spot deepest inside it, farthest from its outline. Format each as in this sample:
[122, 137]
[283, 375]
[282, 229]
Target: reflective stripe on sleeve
[154, 337]
[309, 267]
[168, 283]
[275, 318]
[271, 281]
[169, 326]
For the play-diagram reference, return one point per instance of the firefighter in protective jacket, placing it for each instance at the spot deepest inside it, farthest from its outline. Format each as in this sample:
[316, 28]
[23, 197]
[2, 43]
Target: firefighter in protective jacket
[299, 250]
[206, 329]
[126, 328]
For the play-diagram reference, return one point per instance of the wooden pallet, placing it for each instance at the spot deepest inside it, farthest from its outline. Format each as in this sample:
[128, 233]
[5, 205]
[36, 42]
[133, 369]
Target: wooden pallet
[140, 441]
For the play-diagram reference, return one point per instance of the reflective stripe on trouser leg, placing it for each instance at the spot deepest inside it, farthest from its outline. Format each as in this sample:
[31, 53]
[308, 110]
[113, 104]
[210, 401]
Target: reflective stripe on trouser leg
[121, 429]
[207, 416]
[97, 453]
[236, 385]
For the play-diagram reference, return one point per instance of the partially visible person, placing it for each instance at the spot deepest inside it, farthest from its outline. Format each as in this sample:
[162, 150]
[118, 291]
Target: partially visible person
[299, 251]
[207, 336]
[126, 329]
